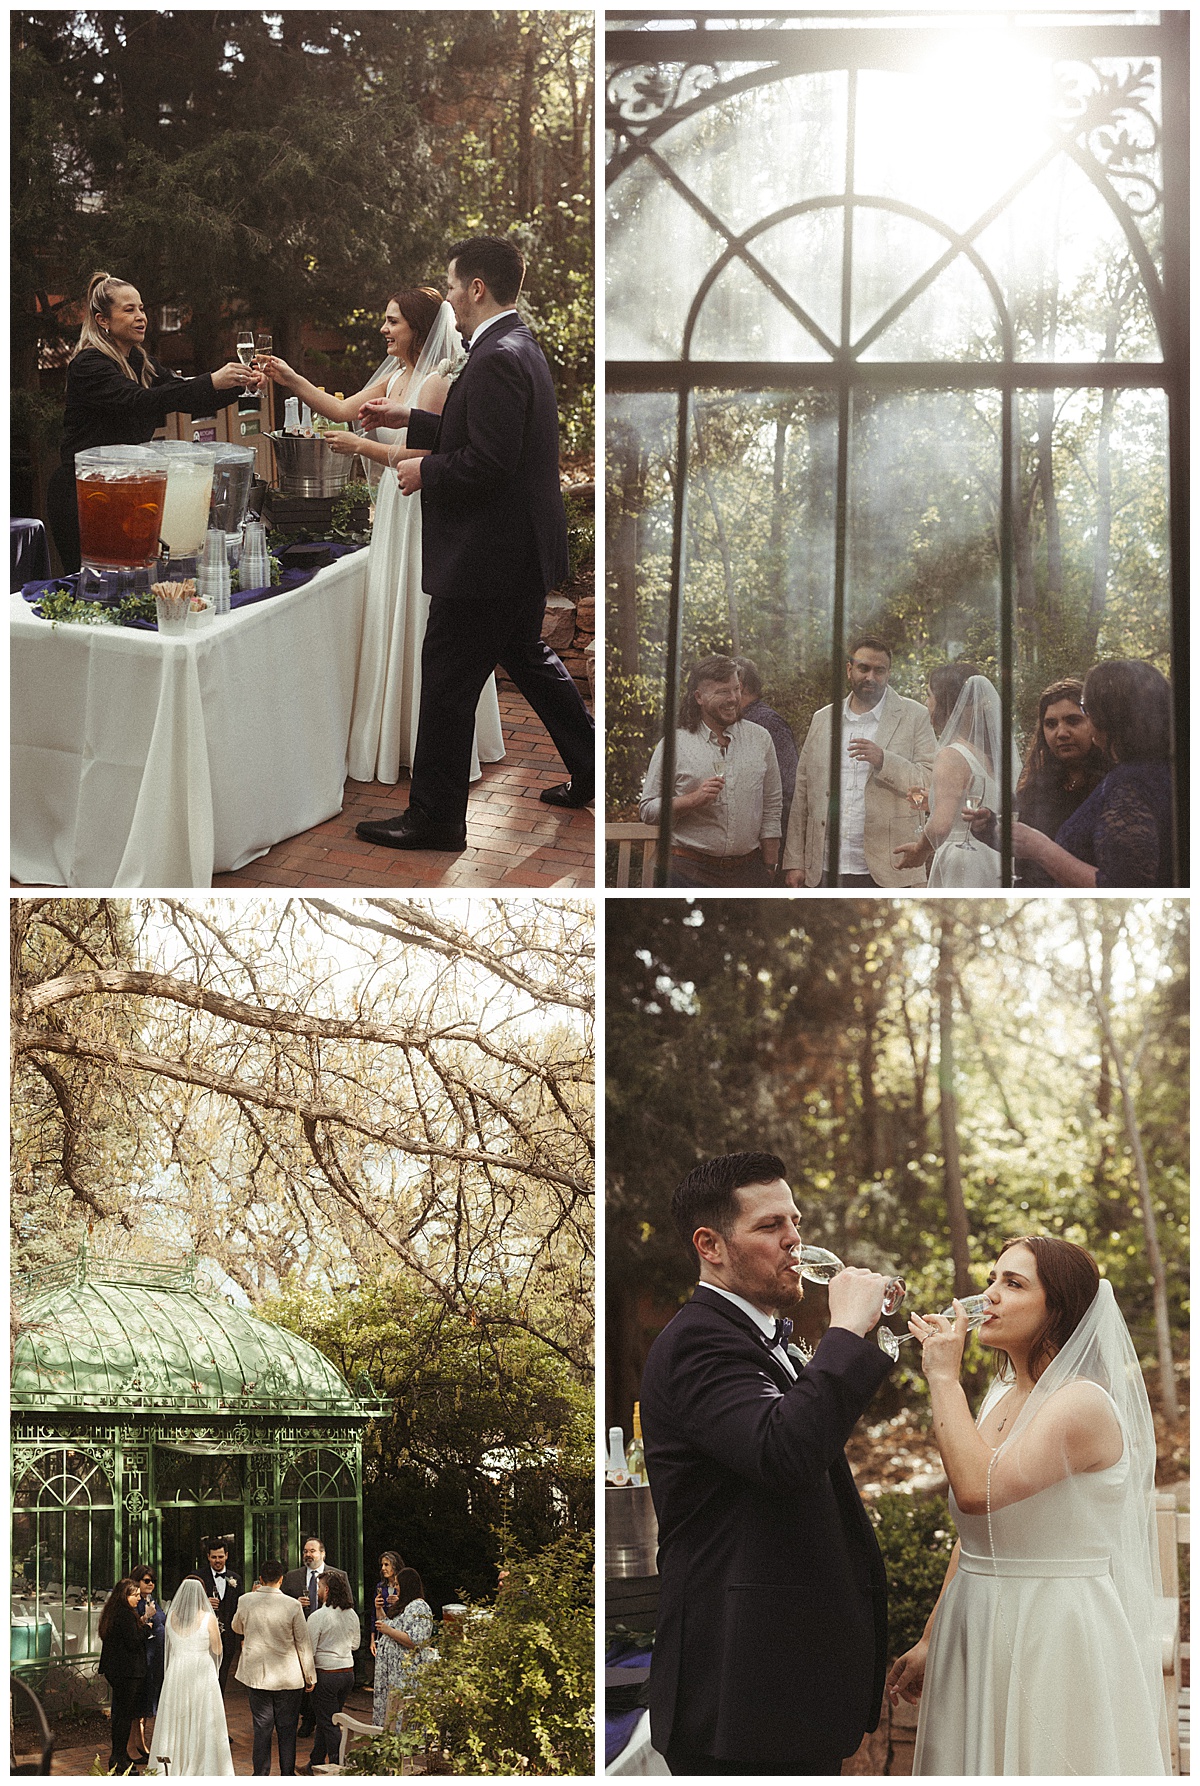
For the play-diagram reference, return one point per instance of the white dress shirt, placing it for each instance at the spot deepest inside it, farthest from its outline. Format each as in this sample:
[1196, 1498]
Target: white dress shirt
[749, 807]
[489, 320]
[855, 771]
[765, 1323]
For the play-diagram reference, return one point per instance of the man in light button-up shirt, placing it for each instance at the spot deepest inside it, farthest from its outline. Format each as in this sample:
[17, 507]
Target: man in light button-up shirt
[726, 815]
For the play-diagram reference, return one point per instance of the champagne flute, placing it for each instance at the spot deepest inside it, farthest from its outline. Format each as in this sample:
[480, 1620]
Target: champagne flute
[916, 797]
[262, 344]
[819, 1265]
[977, 1308]
[972, 801]
[245, 346]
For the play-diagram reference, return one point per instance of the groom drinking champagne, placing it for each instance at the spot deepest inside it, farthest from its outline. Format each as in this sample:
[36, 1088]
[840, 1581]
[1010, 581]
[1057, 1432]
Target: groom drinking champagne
[495, 544]
[772, 1622]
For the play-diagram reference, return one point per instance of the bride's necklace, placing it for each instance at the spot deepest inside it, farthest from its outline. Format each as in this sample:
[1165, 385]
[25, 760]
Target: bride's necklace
[1013, 1405]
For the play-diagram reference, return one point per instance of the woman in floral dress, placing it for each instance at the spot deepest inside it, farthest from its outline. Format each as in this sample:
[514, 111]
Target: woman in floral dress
[402, 1641]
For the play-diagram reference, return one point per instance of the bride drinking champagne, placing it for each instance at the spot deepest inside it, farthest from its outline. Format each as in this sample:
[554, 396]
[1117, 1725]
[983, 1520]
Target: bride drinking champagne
[1042, 1655]
[421, 334]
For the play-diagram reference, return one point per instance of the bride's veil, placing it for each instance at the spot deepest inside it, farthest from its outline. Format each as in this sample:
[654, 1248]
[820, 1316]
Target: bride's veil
[442, 346]
[188, 1610]
[975, 721]
[1100, 1351]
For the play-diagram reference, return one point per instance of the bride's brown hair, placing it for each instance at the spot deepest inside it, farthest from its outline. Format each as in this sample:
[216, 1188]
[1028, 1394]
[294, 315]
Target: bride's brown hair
[1070, 1278]
[419, 306]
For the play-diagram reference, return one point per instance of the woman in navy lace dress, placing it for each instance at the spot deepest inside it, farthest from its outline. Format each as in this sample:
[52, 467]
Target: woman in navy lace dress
[1121, 835]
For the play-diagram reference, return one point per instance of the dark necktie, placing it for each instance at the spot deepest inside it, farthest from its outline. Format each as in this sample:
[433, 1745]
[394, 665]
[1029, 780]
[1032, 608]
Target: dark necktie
[783, 1332]
[312, 1591]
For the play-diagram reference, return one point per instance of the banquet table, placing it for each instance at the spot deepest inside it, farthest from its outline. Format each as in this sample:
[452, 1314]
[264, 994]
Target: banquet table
[143, 761]
[28, 550]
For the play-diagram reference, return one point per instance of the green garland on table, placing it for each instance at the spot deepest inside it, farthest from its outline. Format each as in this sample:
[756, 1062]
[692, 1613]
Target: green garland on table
[342, 526]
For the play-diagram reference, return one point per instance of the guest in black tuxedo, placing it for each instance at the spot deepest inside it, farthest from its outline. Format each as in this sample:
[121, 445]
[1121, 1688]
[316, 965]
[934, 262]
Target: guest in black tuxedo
[302, 1585]
[224, 1589]
[494, 543]
[772, 1624]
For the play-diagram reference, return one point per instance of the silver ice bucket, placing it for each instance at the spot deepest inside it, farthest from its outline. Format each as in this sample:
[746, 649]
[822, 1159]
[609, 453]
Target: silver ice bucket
[630, 1533]
[306, 467]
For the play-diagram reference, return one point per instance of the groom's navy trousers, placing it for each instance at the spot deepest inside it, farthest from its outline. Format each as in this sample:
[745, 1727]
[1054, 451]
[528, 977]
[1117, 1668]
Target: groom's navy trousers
[771, 1642]
[494, 543]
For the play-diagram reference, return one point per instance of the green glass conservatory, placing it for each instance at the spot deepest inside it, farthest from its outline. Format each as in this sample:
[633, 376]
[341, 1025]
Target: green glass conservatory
[147, 1418]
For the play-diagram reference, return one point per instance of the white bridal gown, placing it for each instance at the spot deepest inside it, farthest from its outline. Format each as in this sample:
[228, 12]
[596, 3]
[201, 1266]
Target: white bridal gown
[961, 859]
[190, 1730]
[387, 692]
[1034, 1669]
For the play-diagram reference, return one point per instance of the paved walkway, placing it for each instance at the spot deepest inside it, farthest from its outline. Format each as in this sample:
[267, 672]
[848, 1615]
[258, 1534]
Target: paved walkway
[513, 840]
[237, 1713]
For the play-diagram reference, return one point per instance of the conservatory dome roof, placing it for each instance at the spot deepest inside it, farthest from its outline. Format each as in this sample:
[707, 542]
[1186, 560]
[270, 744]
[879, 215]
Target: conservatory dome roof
[101, 1337]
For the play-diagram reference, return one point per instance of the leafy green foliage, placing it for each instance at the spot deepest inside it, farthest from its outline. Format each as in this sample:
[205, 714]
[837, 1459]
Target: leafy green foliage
[490, 1434]
[916, 1535]
[513, 1690]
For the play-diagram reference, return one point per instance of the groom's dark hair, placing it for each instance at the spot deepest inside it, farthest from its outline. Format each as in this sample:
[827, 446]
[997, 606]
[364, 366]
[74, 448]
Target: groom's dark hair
[271, 1572]
[707, 1198]
[499, 263]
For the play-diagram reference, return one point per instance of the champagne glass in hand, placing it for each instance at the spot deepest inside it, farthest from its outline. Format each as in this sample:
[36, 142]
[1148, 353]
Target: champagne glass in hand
[916, 798]
[245, 346]
[819, 1265]
[262, 344]
[977, 1310]
[972, 801]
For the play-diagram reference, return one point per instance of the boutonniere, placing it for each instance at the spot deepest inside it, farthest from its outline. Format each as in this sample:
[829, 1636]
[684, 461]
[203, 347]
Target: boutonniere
[451, 368]
[800, 1354]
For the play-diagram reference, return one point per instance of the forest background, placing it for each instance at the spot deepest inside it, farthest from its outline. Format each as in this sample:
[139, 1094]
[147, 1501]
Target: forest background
[293, 169]
[938, 1076]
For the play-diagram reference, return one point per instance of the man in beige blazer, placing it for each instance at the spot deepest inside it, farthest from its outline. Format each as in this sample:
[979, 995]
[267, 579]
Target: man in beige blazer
[276, 1666]
[887, 748]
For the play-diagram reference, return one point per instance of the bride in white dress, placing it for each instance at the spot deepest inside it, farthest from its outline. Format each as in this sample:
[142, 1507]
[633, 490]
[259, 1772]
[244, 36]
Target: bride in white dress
[190, 1733]
[423, 343]
[1042, 1655]
[965, 771]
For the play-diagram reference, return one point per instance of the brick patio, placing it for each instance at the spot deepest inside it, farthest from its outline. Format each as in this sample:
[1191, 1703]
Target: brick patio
[512, 839]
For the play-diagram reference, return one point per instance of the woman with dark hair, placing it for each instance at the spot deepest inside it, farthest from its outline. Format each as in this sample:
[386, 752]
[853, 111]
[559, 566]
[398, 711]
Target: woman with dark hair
[401, 1644]
[1042, 1655]
[124, 1635]
[117, 395]
[156, 1651]
[1062, 768]
[425, 349]
[335, 1634]
[1121, 834]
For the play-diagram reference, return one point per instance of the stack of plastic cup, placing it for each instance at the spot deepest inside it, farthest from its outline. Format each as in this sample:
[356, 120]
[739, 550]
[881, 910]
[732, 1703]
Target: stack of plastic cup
[254, 570]
[213, 580]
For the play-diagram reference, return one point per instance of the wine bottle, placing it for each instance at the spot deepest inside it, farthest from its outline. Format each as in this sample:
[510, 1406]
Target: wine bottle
[635, 1456]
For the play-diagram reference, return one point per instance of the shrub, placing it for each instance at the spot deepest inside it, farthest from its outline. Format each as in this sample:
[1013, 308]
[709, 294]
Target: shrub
[916, 1536]
[513, 1692]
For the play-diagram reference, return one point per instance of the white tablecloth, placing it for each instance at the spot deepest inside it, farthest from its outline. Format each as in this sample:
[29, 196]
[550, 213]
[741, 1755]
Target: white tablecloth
[139, 761]
[639, 1756]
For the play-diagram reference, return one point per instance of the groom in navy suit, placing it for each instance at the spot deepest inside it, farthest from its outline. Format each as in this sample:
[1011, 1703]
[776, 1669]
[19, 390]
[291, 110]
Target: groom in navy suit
[494, 545]
[772, 1613]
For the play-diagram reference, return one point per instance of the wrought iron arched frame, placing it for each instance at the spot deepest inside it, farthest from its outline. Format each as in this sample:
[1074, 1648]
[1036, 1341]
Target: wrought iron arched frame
[658, 78]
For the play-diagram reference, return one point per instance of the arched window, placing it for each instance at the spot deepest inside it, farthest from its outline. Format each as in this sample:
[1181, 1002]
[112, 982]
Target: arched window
[322, 1500]
[63, 1555]
[896, 320]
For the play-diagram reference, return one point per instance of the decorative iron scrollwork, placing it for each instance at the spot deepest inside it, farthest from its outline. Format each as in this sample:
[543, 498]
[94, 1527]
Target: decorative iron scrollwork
[641, 92]
[1112, 114]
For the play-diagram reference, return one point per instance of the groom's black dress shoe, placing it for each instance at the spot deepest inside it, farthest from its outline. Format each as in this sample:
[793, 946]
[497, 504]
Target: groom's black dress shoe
[405, 833]
[565, 793]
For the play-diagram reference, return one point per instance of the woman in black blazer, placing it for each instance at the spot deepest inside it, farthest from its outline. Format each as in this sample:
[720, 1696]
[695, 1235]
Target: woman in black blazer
[124, 1635]
[117, 396]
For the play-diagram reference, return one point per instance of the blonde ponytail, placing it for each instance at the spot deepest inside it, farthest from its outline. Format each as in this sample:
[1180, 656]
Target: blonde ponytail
[102, 289]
